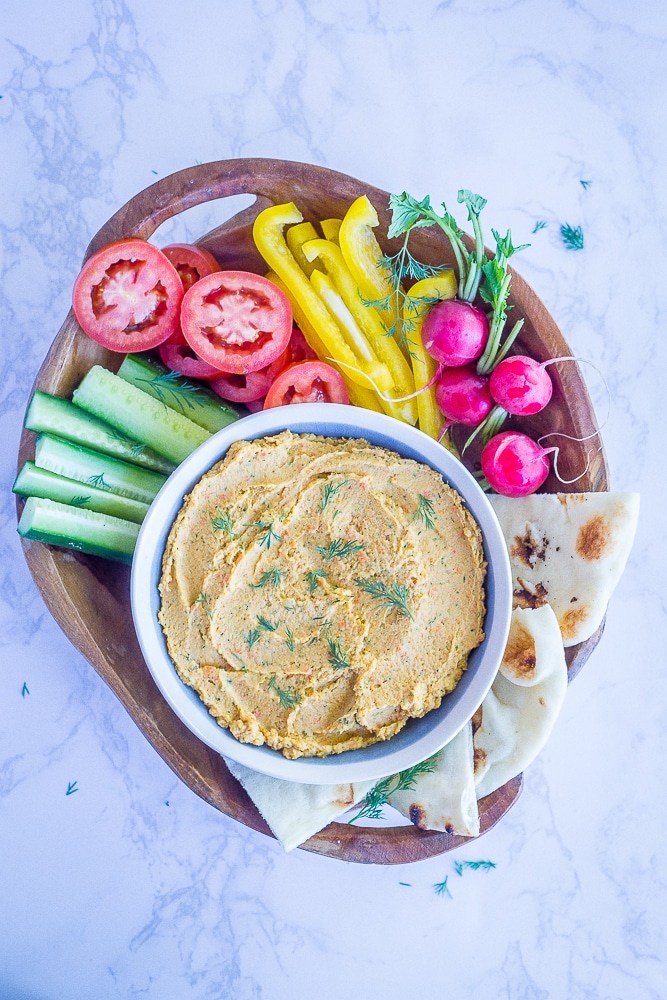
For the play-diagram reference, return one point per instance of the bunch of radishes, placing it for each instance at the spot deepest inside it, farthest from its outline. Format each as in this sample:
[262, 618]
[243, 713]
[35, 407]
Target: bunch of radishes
[478, 383]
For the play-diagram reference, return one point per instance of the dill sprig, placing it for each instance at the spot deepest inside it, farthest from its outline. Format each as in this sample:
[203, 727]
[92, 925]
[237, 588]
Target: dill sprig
[540, 224]
[266, 625]
[173, 391]
[585, 184]
[339, 548]
[474, 866]
[337, 657]
[270, 536]
[330, 491]
[79, 501]
[99, 482]
[252, 636]
[401, 782]
[572, 236]
[273, 576]
[395, 597]
[203, 600]
[425, 512]
[286, 697]
[312, 576]
[289, 639]
[223, 522]
[442, 889]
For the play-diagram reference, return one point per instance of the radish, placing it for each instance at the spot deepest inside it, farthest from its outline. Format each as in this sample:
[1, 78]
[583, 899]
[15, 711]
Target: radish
[514, 464]
[455, 332]
[463, 396]
[521, 385]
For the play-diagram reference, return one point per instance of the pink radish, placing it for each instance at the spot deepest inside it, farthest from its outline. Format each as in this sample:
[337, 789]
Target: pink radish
[521, 385]
[463, 395]
[514, 464]
[454, 332]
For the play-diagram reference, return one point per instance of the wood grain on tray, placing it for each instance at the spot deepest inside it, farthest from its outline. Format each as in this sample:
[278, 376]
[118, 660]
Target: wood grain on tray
[89, 597]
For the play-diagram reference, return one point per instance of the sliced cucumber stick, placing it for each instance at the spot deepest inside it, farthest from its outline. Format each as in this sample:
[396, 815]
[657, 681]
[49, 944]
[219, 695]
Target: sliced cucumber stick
[52, 415]
[84, 530]
[35, 482]
[91, 468]
[191, 399]
[138, 415]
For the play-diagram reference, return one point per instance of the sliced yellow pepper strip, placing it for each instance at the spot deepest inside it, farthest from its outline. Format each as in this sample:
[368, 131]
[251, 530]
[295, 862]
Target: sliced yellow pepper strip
[295, 237]
[359, 396]
[331, 229]
[384, 347]
[270, 241]
[417, 303]
[363, 256]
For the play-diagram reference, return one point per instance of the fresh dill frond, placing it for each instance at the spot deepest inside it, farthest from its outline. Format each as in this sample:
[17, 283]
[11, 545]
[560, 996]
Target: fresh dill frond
[474, 866]
[442, 889]
[330, 491]
[395, 597]
[252, 636]
[266, 625]
[312, 576]
[337, 657]
[572, 236]
[425, 512]
[273, 576]
[339, 548]
[585, 184]
[289, 639]
[204, 601]
[137, 450]
[270, 536]
[79, 501]
[286, 697]
[403, 781]
[223, 522]
[244, 669]
[99, 482]
[174, 392]
[540, 224]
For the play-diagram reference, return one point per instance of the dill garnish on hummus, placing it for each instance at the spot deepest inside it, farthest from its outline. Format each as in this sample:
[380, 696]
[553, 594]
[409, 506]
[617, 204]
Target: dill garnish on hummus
[318, 592]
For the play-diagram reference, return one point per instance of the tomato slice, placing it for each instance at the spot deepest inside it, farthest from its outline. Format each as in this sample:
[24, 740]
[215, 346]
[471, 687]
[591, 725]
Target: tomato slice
[236, 321]
[191, 262]
[127, 296]
[251, 387]
[307, 382]
[299, 347]
[180, 357]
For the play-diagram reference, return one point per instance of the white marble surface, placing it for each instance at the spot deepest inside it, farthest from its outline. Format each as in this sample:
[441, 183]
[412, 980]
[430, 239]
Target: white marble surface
[131, 886]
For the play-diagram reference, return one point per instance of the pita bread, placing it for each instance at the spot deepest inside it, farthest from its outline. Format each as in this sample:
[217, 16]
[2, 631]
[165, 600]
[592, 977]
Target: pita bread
[568, 550]
[293, 810]
[517, 715]
[445, 799]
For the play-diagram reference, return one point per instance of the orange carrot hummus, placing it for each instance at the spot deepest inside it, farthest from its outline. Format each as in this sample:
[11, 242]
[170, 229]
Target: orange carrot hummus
[318, 592]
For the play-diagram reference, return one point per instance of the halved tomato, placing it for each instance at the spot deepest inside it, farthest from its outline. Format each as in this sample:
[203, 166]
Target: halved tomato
[236, 321]
[307, 382]
[191, 262]
[128, 296]
[180, 357]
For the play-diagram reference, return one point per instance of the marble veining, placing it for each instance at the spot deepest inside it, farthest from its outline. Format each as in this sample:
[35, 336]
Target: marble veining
[117, 880]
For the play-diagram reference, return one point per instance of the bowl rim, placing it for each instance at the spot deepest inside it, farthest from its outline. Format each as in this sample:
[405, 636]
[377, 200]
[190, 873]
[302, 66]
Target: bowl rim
[420, 738]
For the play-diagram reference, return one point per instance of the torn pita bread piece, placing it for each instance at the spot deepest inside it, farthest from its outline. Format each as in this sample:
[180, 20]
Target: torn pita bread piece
[568, 550]
[445, 798]
[515, 719]
[293, 810]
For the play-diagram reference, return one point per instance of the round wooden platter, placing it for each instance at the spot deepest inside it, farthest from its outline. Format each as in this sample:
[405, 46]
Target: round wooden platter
[89, 597]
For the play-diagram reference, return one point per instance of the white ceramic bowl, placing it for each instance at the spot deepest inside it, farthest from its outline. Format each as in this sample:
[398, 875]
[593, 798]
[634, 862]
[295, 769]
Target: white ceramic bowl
[420, 738]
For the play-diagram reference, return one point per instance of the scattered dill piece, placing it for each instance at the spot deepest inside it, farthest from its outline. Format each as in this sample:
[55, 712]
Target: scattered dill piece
[79, 501]
[287, 698]
[289, 639]
[71, 788]
[330, 491]
[266, 625]
[24, 690]
[171, 390]
[540, 224]
[442, 889]
[223, 522]
[270, 536]
[425, 512]
[252, 636]
[572, 236]
[312, 576]
[395, 597]
[473, 865]
[273, 576]
[337, 657]
[339, 548]
[405, 883]
[585, 184]
[401, 782]
[244, 669]
[204, 601]
[99, 481]
[137, 450]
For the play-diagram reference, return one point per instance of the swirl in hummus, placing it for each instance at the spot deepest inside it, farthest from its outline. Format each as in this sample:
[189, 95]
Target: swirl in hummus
[318, 592]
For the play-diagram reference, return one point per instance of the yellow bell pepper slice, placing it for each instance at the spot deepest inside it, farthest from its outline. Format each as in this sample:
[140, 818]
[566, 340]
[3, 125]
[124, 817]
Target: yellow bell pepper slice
[270, 241]
[295, 237]
[418, 301]
[359, 396]
[363, 256]
[384, 347]
[331, 229]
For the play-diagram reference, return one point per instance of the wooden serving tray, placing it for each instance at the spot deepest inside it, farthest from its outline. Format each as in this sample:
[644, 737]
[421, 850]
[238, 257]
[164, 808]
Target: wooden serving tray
[89, 597]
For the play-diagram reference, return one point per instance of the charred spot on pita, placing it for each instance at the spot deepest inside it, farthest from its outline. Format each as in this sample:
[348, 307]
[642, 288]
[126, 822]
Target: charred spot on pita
[529, 595]
[417, 816]
[479, 759]
[571, 620]
[593, 538]
[528, 549]
[520, 657]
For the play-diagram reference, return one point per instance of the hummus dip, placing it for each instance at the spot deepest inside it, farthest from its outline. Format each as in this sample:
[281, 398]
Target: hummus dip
[318, 592]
